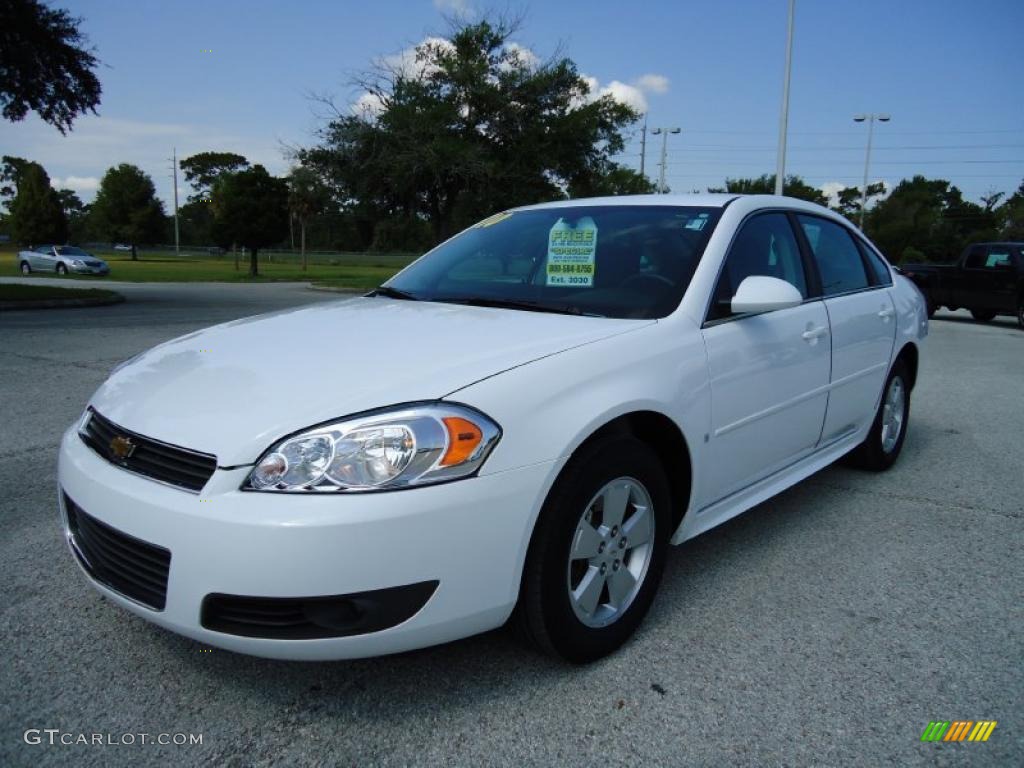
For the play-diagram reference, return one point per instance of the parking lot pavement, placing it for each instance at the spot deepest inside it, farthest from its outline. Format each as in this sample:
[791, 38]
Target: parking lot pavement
[825, 627]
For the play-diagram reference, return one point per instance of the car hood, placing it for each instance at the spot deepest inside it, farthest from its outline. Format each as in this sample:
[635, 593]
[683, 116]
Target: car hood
[234, 389]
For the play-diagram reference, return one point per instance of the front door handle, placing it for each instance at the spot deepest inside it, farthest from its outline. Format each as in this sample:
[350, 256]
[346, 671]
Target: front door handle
[811, 334]
[886, 313]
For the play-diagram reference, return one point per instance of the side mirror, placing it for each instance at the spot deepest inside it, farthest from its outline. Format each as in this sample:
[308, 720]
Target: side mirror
[759, 293]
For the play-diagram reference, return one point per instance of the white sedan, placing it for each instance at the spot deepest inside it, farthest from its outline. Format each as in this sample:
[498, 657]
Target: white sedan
[515, 427]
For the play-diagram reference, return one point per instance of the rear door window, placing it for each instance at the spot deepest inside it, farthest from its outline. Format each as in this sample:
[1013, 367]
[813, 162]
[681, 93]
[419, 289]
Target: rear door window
[837, 256]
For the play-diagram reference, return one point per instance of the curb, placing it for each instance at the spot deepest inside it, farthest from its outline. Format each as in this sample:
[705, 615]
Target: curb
[61, 303]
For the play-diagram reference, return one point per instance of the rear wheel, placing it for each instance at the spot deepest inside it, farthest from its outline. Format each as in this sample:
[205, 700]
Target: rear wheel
[982, 315]
[61, 269]
[25, 268]
[884, 442]
[597, 552]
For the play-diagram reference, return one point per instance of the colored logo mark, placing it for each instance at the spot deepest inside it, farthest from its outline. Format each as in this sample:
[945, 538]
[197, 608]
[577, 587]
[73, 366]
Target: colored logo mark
[958, 730]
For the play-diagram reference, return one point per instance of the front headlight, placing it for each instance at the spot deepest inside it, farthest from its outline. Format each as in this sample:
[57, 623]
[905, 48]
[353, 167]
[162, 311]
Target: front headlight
[78, 262]
[384, 450]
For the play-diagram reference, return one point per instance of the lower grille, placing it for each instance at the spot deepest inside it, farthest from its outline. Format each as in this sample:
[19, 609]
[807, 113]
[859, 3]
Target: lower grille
[129, 566]
[146, 456]
[308, 618]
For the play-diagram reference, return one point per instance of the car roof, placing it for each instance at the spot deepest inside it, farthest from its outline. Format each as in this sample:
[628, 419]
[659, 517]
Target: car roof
[702, 200]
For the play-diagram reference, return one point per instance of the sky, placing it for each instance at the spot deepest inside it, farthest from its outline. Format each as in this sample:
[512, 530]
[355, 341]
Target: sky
[237, 75]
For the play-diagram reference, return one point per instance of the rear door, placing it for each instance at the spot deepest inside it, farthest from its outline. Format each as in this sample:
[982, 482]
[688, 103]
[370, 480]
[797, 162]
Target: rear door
[768, 372]
[998, 281]
[862, 319]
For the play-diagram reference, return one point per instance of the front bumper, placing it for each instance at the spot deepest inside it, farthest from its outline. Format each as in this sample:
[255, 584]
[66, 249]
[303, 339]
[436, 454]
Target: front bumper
[88, 270]
[470, 536]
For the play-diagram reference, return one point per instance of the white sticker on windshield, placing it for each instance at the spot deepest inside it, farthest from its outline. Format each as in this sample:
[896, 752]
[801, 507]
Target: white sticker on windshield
[571, 253]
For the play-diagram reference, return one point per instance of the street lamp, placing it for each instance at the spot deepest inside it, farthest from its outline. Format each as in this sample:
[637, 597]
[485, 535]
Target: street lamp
[780, 160]
[870, 119]
[664, 149]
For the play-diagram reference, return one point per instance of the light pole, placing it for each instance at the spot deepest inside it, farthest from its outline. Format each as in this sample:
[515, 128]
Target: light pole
[664, 152]
[643, 145]
[780, 163]
[174, 175]
[870, 119]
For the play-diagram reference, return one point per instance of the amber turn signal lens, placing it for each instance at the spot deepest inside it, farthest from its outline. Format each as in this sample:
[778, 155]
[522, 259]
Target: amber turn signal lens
[463, 438]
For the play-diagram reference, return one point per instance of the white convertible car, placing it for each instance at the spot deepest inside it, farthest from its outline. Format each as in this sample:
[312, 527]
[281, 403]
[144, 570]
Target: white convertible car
[515, 427]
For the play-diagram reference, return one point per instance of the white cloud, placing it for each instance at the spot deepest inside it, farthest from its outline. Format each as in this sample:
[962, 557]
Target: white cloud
[650, 83]
[368, 106]
[631, 94]
[461, 7]
[831, 190]
[523, 55]
[76, 183]
[414, 61]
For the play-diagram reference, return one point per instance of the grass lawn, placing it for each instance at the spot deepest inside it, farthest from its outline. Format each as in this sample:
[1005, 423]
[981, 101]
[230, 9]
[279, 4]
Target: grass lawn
[355, 271]
[15, 292]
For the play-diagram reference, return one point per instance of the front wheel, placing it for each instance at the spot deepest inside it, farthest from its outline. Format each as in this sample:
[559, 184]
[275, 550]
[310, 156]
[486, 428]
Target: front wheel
[25, 268]
[61, 269]
[884, 442]
[597, 552]
[982, 315]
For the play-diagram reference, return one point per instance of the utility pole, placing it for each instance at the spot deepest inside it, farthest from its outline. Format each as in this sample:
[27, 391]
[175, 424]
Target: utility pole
[780, 167]
[664, 154]
[870, 120]
[174, 176]
[643, 145]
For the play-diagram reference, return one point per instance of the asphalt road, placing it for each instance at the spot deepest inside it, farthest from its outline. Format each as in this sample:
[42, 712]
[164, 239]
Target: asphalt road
[826, 627]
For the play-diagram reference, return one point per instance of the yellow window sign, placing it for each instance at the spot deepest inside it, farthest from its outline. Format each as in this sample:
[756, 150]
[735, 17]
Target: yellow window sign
[571, 251]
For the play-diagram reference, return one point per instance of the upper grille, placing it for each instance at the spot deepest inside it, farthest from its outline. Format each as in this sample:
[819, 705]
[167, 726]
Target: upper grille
[127, 565]
[145, 456]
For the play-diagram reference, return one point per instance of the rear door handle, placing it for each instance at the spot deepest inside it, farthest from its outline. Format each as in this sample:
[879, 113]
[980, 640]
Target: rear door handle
[813, 333]
[886, 313]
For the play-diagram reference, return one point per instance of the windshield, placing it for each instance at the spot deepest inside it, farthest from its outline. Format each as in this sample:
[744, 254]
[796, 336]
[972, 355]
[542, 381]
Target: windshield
[70, 250]
[612, 261]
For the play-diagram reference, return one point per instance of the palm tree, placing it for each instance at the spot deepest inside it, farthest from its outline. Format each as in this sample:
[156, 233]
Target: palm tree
[307, 196]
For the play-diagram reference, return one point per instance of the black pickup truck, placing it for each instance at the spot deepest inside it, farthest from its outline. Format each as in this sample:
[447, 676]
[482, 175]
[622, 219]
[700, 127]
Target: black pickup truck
[988, 280]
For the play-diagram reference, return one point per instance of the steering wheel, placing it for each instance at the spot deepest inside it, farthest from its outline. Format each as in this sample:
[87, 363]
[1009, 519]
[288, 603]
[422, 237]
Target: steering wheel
[649, 276]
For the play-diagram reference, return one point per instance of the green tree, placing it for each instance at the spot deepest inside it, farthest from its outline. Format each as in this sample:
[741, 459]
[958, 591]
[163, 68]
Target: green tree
[793, 186]
[616, 179]
[203, 170]
[36, 215]
[250, 208]
[11, 169]
[472, 126]
[44, 66]
[848, 199]
[126, 208]
[1011, 216]
[307, 196]
[931, 217]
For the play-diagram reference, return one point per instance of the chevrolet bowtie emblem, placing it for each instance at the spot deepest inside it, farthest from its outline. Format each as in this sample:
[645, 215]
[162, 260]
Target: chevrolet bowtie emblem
[121, 447]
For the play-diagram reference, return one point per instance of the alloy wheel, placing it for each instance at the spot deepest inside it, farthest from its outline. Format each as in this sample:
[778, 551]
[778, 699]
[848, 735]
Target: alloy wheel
[611, 551]
[893, 411]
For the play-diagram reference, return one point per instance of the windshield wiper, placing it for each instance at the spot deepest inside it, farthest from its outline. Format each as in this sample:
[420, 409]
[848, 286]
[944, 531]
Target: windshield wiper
[524, 304]
[392, 293]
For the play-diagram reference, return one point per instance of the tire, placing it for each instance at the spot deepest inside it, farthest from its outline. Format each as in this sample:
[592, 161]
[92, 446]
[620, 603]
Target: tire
[61, 269]
[1020, 312]
[25, 268]
[982, 315]
[547, 616]
[879, 451]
